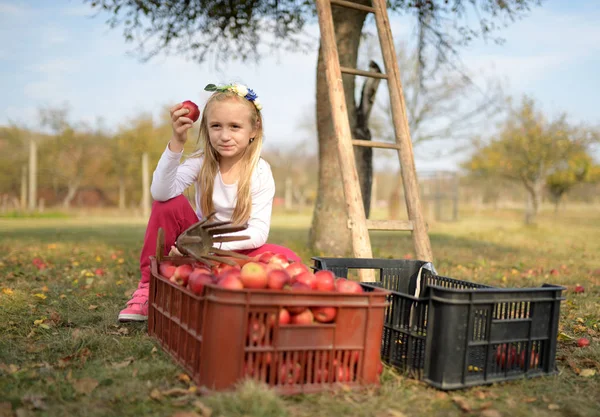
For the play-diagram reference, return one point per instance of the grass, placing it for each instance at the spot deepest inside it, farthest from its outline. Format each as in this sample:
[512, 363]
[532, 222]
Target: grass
[62, 352]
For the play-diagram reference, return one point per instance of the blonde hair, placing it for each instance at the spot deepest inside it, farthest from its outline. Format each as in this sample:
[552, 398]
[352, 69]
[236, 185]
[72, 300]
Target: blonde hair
[210, 165]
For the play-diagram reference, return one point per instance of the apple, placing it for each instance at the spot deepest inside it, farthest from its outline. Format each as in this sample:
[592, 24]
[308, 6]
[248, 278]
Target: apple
[99, 272]
[348, 286]
[297, 286]
[325, 280]
[231, 282]
[296, 268]
[194, 113]
[277, 278]
[182, 274]
[324, 314]
[198, 278]
[341, 373]
[256, 331]
[279, 259]
[254, 275]
[534, 359]
[289, 373]
[321, 375]
[307, 278]
[554, 272]
[273, 267]
[284, 316]
[306, 317]
[230, 272]
[265, 257]
[583, 342]
[579, 289]
[379, 368]
[166, 269]
[506, 358]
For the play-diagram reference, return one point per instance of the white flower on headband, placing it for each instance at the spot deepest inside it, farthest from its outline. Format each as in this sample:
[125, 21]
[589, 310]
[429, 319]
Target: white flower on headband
[239, 89]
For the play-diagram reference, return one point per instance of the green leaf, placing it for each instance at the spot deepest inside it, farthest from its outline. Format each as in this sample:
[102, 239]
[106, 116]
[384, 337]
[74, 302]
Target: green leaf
[210, 87]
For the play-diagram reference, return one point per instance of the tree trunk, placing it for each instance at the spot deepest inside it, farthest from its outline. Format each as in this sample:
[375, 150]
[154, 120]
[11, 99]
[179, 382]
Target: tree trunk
[534, 201]
[71, 191]
[329, 232]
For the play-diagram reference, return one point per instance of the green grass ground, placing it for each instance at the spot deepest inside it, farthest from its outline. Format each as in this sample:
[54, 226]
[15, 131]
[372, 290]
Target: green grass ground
[62, 352]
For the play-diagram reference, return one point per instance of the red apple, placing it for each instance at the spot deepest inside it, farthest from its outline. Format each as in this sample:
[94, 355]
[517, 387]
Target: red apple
[284, 316]
[289, 373]
[254, 275]
[277, 278]
[256, 331]
[379, 368]
[583, 342]
[279, 259]
[348, 286]
[297, 286]
[307, 278]
[506, 357]
[194, 113]
[182, 274]
[265, 257]
[340, 373]
[166, 269]
[325, 280]
[321, 375]
[304, 318]
[324, 314]
[230, 272]
[534, 359]
[579, 289]
[296, 268]
[231, 282]
[198, 278]
[273, 267]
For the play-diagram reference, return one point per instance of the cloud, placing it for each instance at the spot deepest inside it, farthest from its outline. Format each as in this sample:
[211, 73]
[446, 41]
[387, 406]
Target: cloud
[11, 9]
[56, 67]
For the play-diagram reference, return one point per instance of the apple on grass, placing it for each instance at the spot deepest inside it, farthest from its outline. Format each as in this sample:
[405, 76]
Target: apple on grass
[583, 342]
[254, 275]
[324, 314]
[325, 280]
[194, 113]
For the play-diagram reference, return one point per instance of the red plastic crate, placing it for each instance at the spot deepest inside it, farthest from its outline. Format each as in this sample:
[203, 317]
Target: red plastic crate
[208, 336]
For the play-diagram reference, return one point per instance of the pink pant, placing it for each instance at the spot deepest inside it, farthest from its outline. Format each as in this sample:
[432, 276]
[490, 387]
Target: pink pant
[174, 216]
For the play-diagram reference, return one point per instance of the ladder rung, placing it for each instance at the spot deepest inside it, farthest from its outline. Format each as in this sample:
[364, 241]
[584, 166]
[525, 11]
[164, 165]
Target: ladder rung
[371, 74]
[389, 224]
[371, 144]
[352, 5]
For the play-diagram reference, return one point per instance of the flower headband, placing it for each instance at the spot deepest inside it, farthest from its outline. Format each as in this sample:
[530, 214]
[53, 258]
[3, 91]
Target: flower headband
[240, 89]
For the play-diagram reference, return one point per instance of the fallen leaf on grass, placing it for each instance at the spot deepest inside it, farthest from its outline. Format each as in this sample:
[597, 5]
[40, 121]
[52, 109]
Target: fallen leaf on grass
[462, 403]
[123, 330]
[92, 307]
[396, 413]
[185, 378]
[586, 373]
[9, 369]
[175, 392]
[204, 410]
[40, 295]
[155, 394]
[441, 395]
[186, 414]
[553, 407]
[6, 409]
[564, 336]
[36, 401]
[529, 400]
[123, 364]
[85, 385]
[490, 413]
[7, 291]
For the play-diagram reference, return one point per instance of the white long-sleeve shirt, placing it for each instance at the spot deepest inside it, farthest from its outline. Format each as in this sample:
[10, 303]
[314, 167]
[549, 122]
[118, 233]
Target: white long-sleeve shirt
[171, 178]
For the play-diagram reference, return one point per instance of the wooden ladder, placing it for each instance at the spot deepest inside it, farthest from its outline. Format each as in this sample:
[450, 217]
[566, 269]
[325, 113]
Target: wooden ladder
[357, 221]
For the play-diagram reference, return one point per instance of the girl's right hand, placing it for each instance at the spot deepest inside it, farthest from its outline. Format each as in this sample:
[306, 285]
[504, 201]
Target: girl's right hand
[180, 123]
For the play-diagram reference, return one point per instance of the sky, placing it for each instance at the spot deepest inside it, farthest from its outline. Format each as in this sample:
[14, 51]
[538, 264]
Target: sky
[59, 51]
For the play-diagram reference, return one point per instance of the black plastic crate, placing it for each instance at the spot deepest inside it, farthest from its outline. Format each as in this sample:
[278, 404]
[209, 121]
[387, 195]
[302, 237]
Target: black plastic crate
[454, 334]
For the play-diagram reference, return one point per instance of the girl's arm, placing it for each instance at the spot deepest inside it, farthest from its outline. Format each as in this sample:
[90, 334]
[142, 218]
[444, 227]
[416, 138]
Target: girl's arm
[171, 178]
[263, 192]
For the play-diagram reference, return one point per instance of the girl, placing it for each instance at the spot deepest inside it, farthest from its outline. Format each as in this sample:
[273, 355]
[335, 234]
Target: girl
[229, 176]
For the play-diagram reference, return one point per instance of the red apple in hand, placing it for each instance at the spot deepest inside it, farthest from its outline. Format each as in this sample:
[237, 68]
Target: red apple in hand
[194, 113]
[277, 278]
[254, 275]
[324, 314]
[325, 280]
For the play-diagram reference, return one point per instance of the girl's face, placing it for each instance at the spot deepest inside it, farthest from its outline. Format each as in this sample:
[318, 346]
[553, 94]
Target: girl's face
[229, 128]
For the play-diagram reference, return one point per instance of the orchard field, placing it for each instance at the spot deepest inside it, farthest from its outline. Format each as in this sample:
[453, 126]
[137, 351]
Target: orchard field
[63, 280]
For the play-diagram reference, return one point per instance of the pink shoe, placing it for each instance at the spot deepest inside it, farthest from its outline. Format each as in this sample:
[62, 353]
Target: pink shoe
[137, 306]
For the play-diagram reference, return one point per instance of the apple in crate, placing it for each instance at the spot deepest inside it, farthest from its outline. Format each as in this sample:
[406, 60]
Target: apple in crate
[198, 279]
[289, 373]
[166, 269]
[324, 314]
[254, 275]
[231, 282]
[279, 259]
[298, 286]
[307, 278]
[534, 359]
[277, 279]
[296, 268]
[256, 331]
[505, 357]
[347, 286]
[265, 257]
[306, 317]
[182, 274]
[325, 280]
